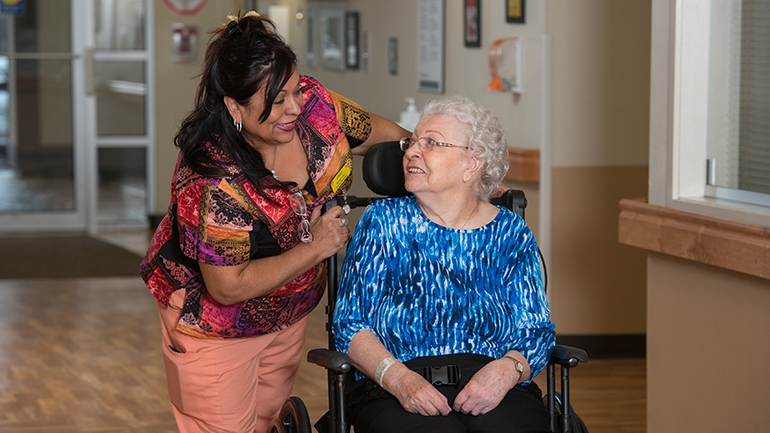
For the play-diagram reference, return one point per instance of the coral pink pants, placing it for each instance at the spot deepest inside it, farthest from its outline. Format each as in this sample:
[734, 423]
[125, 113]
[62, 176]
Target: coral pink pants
[230, 385]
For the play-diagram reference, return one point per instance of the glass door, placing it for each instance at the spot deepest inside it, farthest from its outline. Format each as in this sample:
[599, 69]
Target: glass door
[75, 115]
[119, 88]
[42, 185]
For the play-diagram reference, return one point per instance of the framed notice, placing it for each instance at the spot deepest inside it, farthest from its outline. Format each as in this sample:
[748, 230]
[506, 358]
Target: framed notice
[514, 11]
[311, 37]
[332, 22]
[472, 28]
[430, 46]
[351, 40]
[393, 56]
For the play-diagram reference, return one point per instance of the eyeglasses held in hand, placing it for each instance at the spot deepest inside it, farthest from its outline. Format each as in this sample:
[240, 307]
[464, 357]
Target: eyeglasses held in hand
[298, 204]
[425, 143]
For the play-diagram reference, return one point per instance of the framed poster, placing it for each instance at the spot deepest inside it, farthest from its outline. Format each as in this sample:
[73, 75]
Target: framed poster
[472, 29]
[393, 56]
[332, 21]
[514, 11]
[311, 36]
[430, 46]
[351, 40]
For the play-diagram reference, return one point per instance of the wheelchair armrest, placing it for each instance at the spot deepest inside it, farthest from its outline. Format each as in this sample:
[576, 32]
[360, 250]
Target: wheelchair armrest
[330, 359]
[567, 356]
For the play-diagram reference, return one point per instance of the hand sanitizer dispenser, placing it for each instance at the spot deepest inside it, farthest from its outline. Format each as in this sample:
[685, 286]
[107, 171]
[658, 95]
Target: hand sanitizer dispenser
[410, 117]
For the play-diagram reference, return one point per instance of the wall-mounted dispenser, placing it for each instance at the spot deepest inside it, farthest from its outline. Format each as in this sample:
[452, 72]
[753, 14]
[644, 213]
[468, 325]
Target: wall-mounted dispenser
[410, 116]
[505, 65]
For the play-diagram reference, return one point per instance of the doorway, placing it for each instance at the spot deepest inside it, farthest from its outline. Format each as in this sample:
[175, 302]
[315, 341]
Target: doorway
[75, 115]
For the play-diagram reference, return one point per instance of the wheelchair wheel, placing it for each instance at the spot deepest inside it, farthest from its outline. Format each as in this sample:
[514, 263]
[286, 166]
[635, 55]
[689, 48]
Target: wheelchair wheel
[576, 424]
[293, 418]
[276, 426]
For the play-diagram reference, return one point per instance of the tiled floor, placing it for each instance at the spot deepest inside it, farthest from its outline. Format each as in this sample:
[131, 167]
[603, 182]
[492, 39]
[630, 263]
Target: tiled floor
[122, 200]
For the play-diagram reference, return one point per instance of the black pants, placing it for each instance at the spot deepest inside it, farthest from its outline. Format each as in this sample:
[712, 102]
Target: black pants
[522, 410]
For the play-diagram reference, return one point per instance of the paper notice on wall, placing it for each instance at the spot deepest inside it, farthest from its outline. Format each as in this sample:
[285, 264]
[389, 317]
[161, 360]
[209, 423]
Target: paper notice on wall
[430, 46]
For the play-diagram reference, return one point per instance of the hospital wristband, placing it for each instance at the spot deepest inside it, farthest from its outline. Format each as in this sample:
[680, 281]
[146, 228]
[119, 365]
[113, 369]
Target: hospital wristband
[384, 365]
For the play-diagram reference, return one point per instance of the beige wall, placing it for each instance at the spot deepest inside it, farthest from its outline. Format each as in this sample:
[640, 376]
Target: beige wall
[601, 63]
[598, 285]
[176, 84]
[466, 70]
[707, 348]
[601, 81]
[591, 114]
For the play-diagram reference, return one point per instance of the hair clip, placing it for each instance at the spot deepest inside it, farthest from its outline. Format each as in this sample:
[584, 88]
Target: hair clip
[235, 22]
[232, 27]
[238, 19]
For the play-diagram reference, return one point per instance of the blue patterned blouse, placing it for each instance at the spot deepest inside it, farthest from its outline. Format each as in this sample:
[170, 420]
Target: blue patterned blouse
[427, 290]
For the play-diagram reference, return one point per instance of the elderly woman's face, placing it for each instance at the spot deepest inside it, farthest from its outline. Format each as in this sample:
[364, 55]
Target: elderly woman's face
[443, 168]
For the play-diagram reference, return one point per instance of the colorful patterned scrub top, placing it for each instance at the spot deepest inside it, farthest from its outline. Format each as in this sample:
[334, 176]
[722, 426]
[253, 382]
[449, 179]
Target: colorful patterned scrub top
[428, 290]
[224, 222]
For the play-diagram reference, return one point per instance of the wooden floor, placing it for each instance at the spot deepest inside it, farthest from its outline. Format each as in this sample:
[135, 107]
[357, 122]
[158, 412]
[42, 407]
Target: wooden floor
[83, 355]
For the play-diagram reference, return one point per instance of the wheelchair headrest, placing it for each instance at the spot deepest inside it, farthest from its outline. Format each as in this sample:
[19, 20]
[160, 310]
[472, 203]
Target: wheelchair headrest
[383, 169]
[384, 174]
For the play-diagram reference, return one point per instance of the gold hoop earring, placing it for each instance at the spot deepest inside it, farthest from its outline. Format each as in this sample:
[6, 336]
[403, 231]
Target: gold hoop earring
[238, 124]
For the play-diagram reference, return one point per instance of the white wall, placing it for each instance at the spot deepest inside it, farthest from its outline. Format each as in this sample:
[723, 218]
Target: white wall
[176, 84]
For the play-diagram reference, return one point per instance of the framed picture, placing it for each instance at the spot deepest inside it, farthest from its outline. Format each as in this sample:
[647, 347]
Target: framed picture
[311, 37]
[514, 11]
[351, 40]
[332, 22]
[393, 56]
[472, 15]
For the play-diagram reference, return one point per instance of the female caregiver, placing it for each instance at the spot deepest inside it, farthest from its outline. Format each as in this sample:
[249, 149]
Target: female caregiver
[238, 262]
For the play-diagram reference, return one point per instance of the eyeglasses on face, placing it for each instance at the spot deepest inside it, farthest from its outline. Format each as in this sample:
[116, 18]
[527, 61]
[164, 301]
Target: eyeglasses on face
[298, 205]
[425, 144]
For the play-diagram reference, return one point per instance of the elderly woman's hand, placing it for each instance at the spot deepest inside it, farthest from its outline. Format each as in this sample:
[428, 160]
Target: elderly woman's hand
[330, 230]
[415, 394]
[487, 388]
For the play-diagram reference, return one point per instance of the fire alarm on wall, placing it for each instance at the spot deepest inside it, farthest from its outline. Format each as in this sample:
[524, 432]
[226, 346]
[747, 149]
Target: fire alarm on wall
[184, 43]
[185, 7]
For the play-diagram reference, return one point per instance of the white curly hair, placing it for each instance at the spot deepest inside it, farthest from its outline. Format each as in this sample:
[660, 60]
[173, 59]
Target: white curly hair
[484, 135]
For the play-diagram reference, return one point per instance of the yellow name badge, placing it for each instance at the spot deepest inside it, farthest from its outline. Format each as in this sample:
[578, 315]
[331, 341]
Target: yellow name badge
[340, 178]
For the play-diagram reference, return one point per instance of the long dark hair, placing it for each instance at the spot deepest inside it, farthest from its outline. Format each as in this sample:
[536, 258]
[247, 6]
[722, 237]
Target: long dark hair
[241, 57]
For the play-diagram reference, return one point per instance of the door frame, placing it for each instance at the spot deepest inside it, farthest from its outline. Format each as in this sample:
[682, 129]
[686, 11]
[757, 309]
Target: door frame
[86, 143]
[65, 220]
[91, 56]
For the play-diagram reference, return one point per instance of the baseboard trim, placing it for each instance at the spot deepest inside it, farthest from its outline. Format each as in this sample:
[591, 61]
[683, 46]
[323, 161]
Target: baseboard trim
[608, 346]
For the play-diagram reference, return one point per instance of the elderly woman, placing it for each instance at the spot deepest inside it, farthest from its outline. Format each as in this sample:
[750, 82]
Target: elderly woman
[238, 262]
[441, 301]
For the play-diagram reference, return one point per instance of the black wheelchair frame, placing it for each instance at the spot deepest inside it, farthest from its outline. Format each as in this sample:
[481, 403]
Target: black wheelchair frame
[381, 177]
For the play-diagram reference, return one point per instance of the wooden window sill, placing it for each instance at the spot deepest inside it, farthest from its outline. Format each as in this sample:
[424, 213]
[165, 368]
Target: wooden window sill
[714, 241]
[525, 165]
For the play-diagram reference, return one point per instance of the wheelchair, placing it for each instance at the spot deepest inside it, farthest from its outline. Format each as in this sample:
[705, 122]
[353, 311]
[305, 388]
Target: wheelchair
[383, 175]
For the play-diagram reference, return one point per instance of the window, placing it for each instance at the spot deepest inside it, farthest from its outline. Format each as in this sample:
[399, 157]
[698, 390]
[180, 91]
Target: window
[738, 135]
[709, 99]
